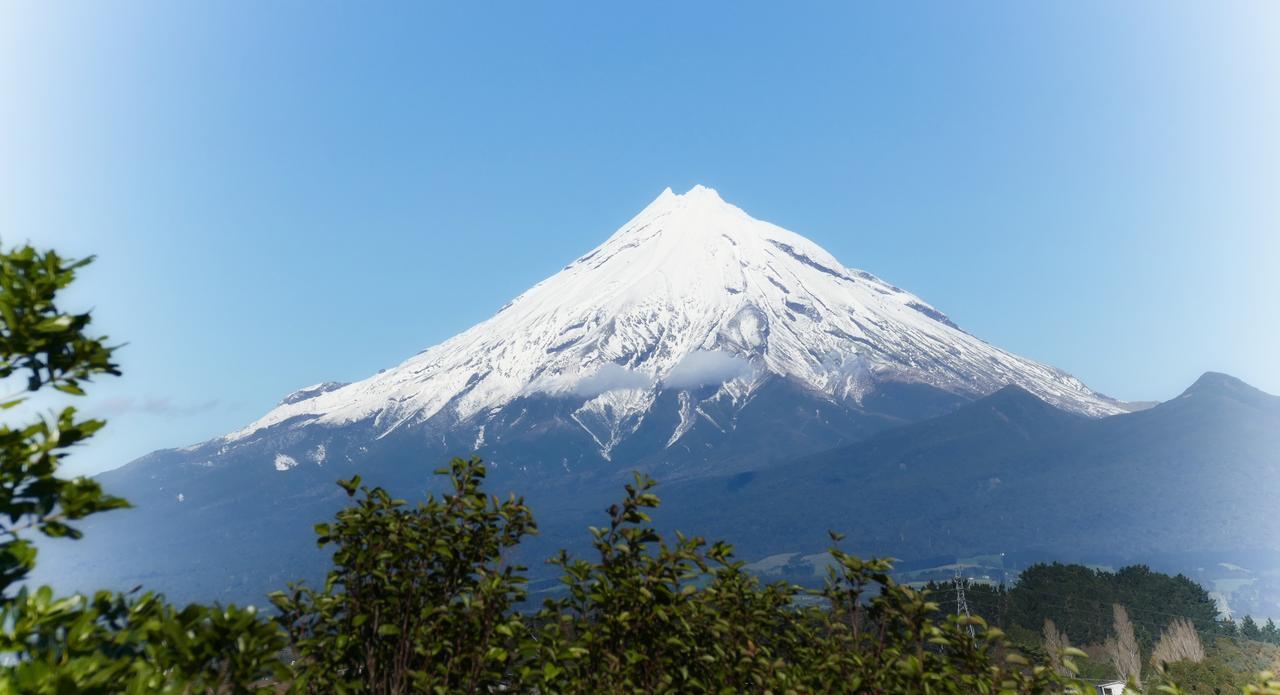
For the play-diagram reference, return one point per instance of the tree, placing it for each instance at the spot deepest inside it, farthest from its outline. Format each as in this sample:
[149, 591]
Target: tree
[106, 642]
[1270, 633]
[419, 598]
[1228, 627]
[1178, 642]
[652, 615]
[1079, 600]
[1122, 647]
[1249, 629]
[43, 347]
[1055, 645]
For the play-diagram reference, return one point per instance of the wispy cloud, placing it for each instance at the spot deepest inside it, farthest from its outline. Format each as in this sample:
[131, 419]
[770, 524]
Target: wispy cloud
[701, 368]
[706, 367]
[611, 377]
[151, 405]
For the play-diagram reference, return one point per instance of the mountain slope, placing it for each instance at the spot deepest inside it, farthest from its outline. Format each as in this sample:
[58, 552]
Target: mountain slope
[1194, 476]
[690, 292]
[694, 341]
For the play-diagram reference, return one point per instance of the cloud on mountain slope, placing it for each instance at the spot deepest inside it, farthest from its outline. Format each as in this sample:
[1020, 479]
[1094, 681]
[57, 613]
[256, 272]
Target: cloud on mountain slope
[700, 368]
[611, 377]
[706, 367]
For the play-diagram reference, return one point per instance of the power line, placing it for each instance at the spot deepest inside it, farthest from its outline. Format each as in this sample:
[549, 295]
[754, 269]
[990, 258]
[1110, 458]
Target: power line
[961, 603]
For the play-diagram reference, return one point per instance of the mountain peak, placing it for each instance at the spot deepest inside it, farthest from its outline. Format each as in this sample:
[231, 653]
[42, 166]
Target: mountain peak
[700, 200]
[1215, 381]
[700, 192]
[691, 291]
[1219, 385]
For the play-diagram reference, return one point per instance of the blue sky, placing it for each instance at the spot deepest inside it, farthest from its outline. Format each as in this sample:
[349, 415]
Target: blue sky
[286, 193]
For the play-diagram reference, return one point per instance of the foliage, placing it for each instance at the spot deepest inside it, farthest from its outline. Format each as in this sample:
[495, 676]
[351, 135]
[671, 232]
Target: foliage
[1055, 643]
[647, 614]
[1216, 656]
[657, 617]
[114, 643]
[1228, 667]
[901, 649]
[1122, 648]
[1265, 684]
[1196, 678]
[419, 598]
[1079, 600]
[1249, 629]
[40, 345]
[107, 642]
[1178, 642]
[1242, 657]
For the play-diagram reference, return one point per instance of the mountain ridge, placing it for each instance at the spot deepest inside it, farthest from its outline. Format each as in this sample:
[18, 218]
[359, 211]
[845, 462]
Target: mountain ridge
[695, 341]
[1188, 476]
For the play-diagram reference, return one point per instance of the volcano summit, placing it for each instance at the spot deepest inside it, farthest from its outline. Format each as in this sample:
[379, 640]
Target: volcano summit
[695, 341]
[692, 297]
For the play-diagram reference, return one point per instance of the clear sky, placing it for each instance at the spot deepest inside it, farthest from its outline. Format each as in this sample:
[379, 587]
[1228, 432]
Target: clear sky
[281, 194]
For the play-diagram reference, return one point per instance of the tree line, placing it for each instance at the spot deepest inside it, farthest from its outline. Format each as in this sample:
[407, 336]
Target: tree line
[1135, 624]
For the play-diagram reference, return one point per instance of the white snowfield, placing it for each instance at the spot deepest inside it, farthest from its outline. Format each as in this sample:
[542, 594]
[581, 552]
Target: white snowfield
[691, 292]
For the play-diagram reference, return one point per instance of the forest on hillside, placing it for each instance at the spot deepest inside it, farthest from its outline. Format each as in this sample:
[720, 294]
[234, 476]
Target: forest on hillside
[1080, 603]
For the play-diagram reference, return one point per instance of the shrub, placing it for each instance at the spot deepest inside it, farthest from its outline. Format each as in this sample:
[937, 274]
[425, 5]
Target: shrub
[419, 601]
[419, 598]
[107, 642]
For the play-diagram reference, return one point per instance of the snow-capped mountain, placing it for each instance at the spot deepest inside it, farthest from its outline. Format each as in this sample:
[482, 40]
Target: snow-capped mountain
[696, 342]
[691, 293]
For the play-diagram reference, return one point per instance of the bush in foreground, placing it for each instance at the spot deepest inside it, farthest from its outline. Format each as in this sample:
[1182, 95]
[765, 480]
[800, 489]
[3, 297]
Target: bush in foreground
[107, 642]
[419, 599]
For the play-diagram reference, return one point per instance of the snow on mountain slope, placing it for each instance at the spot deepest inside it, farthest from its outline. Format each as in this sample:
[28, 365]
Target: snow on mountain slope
[691, 292]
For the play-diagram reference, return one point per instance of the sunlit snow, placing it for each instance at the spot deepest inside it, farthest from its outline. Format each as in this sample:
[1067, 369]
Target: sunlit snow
[691, 292]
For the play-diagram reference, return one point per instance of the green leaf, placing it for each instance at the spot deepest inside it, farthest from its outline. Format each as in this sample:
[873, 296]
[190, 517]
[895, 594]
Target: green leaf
[496, 654]
[350, 485]
[54, 324]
